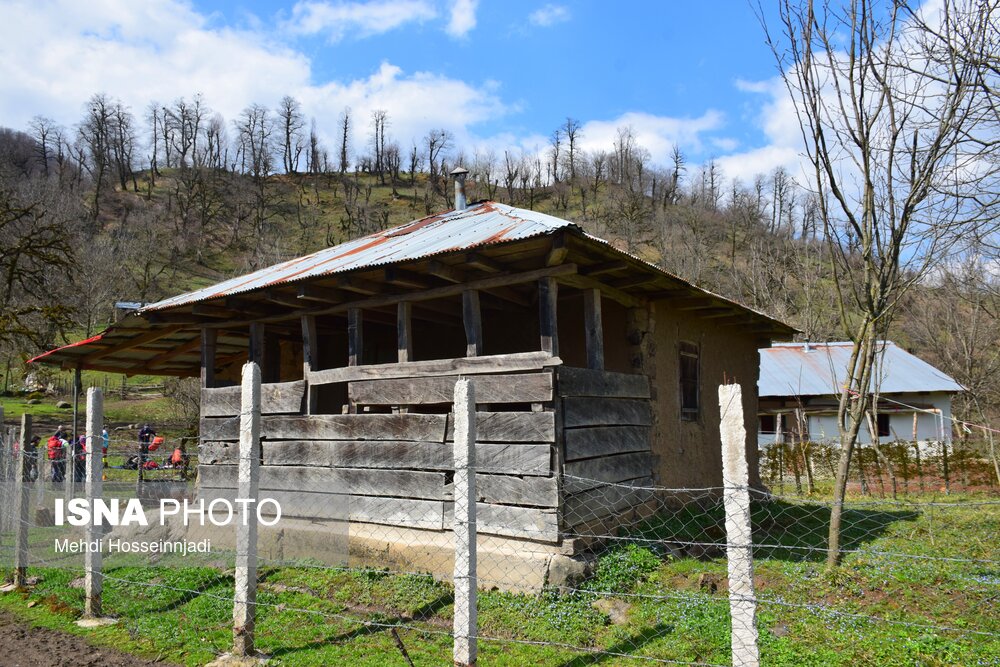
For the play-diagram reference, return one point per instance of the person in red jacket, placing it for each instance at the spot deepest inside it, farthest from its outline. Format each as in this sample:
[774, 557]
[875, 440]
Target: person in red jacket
[57, 457]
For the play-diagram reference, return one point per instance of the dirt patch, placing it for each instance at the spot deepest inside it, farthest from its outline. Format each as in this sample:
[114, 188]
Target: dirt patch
[27, 646]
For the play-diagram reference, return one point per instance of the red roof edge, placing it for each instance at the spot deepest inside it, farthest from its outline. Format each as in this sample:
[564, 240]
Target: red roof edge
[92, 339]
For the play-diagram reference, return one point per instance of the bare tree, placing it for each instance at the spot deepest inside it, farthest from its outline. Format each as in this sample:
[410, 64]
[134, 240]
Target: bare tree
[380, 118]
[894, 130]
[292, 123]
[571, 130]
[345, 139]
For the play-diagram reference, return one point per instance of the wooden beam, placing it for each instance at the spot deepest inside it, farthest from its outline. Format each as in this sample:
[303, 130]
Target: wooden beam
[213, 311]
[310, 358]
[593, 328]
[484, 263]
[209, 337]
[129, 344]
[166, 356]
[603, 267]
[404, 331]
[248, 307]
[397, 276]
[697, 303]
[558, 250]
[355, 335]
[319, 294]
[283, 298]
[256, 351]
[548, 294]
[501, 363]
[359, 285]
[472, 316]
[586, 282]
[444, 271]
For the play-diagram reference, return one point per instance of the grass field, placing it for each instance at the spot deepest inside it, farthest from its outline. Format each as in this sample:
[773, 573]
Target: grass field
[919, 586]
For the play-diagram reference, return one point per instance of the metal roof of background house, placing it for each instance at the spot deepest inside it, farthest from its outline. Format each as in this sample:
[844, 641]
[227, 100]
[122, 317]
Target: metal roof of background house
[788, 369]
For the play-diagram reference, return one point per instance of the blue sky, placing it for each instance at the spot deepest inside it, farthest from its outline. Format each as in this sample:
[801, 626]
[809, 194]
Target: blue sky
[498, 75]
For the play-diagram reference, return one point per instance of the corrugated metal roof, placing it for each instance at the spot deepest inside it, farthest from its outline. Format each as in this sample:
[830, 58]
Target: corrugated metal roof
[787, 369]
[480, 224]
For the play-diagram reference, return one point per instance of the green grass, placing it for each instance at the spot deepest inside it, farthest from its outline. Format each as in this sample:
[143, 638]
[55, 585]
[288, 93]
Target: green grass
[878, 608]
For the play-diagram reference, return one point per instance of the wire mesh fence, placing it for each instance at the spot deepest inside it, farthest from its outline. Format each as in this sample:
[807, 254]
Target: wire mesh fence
[634, 572]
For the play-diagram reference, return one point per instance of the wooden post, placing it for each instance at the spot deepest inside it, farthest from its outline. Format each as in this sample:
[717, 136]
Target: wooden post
[245, 596]
[465, 621]
[209, 337]
[355, 336]
[404, 331]
[548, 293]
[93, 559]
[21, 494]
[69, 471]
[310, 359]
[739, 550]
[76, 402]
[473, 319]
[593, 328]
[256, 351]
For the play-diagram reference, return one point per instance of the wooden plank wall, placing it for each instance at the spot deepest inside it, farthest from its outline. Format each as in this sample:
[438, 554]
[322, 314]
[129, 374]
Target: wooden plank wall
[606, 429]
[395, 468]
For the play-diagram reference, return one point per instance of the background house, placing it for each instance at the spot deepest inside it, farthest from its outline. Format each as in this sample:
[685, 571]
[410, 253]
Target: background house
[799, 390]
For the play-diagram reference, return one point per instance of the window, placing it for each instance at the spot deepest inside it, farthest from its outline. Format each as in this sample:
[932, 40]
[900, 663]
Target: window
[882, 424]
[689, 381]
[766, 424]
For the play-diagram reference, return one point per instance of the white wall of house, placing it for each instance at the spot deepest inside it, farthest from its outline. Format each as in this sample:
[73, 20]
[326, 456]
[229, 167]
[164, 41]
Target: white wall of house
[930, 427]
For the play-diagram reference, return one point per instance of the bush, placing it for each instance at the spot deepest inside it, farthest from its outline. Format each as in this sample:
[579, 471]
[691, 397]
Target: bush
[623, 568]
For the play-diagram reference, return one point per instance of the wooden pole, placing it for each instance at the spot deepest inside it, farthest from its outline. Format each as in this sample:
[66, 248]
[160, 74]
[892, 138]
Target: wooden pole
[21, 496]
[465, 619]
[93, 558]
[548, 295]
[593, 328]
[473, 320]
[245, 596]
[355, 337]
[739, 538]
[404, 331]
[310, 359]
[209, 338]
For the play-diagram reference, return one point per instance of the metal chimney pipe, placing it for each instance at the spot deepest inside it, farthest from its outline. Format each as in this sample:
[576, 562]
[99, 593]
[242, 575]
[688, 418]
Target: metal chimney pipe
[459, 173]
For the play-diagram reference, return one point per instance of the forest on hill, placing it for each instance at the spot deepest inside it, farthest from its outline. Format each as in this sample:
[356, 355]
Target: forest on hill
[134, 208]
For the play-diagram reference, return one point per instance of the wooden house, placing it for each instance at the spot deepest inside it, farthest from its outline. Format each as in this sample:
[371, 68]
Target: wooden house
[591, 367]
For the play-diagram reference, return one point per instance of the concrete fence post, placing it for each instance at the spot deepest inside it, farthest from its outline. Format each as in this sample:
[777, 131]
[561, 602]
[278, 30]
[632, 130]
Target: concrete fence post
[245, 597]
[21, 498]
[93, 559]
[465, 622]
[739, 538]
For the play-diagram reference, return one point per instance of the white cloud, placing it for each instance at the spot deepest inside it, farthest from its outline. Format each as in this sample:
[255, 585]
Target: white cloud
[463, 17]
[549, 15]
[338, 19]
[55, 56]
[657, 134]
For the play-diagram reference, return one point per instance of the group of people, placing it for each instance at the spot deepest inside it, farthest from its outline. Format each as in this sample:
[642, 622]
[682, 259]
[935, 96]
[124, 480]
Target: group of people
[61, 442]
[58, 445]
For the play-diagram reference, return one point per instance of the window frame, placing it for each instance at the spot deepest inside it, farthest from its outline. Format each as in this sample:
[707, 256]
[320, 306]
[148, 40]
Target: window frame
[687, 350]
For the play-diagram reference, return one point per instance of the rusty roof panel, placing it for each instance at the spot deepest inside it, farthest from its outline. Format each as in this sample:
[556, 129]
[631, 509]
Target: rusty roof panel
[480, 224]
[788, 369]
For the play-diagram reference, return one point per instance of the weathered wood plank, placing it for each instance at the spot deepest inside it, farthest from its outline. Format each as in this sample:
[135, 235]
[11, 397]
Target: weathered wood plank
[430, 428]
[511, 490]
[590, 473]
[587, 382]
[523, 388]
[532, 523]
[404, 332]
[584, 443]
[407, 512]
[588, 411]
[497, 363]
[275, 398]
[472, 318]
[605, 501]
[353, 481]
[512, 427]
[512, 459]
